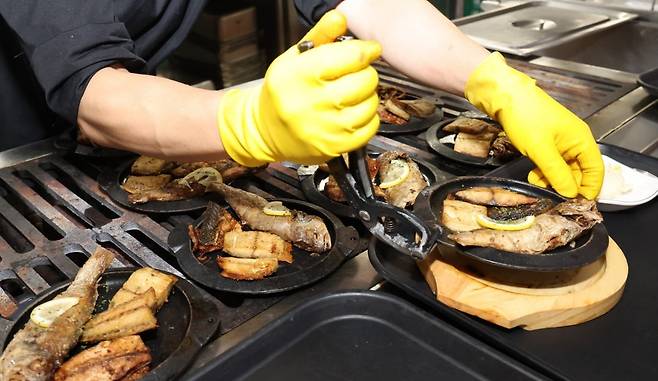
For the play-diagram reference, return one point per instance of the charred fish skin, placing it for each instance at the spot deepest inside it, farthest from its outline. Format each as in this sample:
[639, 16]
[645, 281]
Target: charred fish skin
[556, 228]
[508, 213]
[34, 353]
[494, 196]
[304, 231]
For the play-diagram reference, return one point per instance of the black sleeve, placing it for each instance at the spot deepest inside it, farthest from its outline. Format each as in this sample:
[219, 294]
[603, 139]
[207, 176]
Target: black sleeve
[310, 11]
[66, 42]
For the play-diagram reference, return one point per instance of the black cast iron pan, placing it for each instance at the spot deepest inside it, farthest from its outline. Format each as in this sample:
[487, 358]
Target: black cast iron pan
[185, 323]
[312, 184]
[649, 80]
[68, 141]
[588, 248]
[306, 268]
[110, 181]
[415, 124]
[436, 133]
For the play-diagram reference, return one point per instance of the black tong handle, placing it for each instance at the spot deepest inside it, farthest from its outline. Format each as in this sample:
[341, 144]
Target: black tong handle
[397, 227]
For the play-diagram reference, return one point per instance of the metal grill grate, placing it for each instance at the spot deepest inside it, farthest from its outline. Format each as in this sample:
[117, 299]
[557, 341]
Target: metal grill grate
[53, 214]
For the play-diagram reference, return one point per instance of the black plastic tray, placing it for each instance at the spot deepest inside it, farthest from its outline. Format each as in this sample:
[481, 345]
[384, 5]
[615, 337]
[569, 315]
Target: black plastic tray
[361, 336]
[414, 125]
[619, 345]
[185, 323]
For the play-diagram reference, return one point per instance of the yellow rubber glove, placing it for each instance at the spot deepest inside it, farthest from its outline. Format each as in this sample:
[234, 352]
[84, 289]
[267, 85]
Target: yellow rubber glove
[559, 143]
[312, 106]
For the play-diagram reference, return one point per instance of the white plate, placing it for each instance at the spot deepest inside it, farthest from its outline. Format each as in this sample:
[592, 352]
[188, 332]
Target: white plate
[643, 187]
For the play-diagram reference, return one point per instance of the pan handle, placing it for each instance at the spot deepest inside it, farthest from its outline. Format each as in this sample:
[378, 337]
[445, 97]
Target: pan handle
[5, 328]
[397, 227]
[348, 241]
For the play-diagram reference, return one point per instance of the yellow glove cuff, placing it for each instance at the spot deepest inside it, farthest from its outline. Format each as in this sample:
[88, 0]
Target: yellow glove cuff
[237, 120]
[492, 84]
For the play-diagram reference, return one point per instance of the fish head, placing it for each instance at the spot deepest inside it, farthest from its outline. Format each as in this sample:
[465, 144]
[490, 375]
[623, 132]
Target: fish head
[583, 212]
[311, 233]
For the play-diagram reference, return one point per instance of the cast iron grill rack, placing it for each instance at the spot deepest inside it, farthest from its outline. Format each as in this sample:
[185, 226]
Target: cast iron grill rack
[53, 214]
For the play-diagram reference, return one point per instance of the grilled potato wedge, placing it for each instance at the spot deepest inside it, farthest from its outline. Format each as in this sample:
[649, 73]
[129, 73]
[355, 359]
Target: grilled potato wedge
[143, 279]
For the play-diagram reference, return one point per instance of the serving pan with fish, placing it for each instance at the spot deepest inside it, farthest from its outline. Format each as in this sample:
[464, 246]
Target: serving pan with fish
[562, 234]
[485, 148]
[316, 187]
[403, 113]
[414, 125]
[151, 185]
[244, 250]
[185, 323]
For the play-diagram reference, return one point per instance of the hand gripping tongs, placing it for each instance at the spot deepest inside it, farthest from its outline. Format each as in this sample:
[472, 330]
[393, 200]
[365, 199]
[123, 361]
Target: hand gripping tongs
[394, 226]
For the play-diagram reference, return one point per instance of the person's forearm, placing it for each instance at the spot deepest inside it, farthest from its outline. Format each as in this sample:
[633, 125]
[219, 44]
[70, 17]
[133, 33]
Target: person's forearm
[417, 40]
[151, 115]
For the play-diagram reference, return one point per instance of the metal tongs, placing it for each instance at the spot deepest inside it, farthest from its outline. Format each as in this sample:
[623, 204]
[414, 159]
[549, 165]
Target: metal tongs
[397, 227]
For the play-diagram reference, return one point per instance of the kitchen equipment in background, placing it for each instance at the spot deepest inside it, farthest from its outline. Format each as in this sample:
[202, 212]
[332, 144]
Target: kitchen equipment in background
[525, 28]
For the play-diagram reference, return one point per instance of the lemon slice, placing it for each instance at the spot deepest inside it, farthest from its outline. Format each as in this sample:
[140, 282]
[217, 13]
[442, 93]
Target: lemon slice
[399, 172]
[45, 314]
[203, 176]
[276, 208]
[520, 224]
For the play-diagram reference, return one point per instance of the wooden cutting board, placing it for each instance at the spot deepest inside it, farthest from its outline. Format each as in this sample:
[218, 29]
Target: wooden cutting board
[530, 300]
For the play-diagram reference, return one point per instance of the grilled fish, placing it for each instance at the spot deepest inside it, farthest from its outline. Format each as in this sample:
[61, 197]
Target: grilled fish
[116, 360]
[209, 236]
[253, 244]
[140, 184]
[173, 191]
[304, 231]
[405, 193]
[471, 126]
[503, 149]
[247, 268]
[494, 196]
[229, 169]
[477, 145]
[35, 352]
[515, 212]
[553, 229]
[333, 191]
[146, 166]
